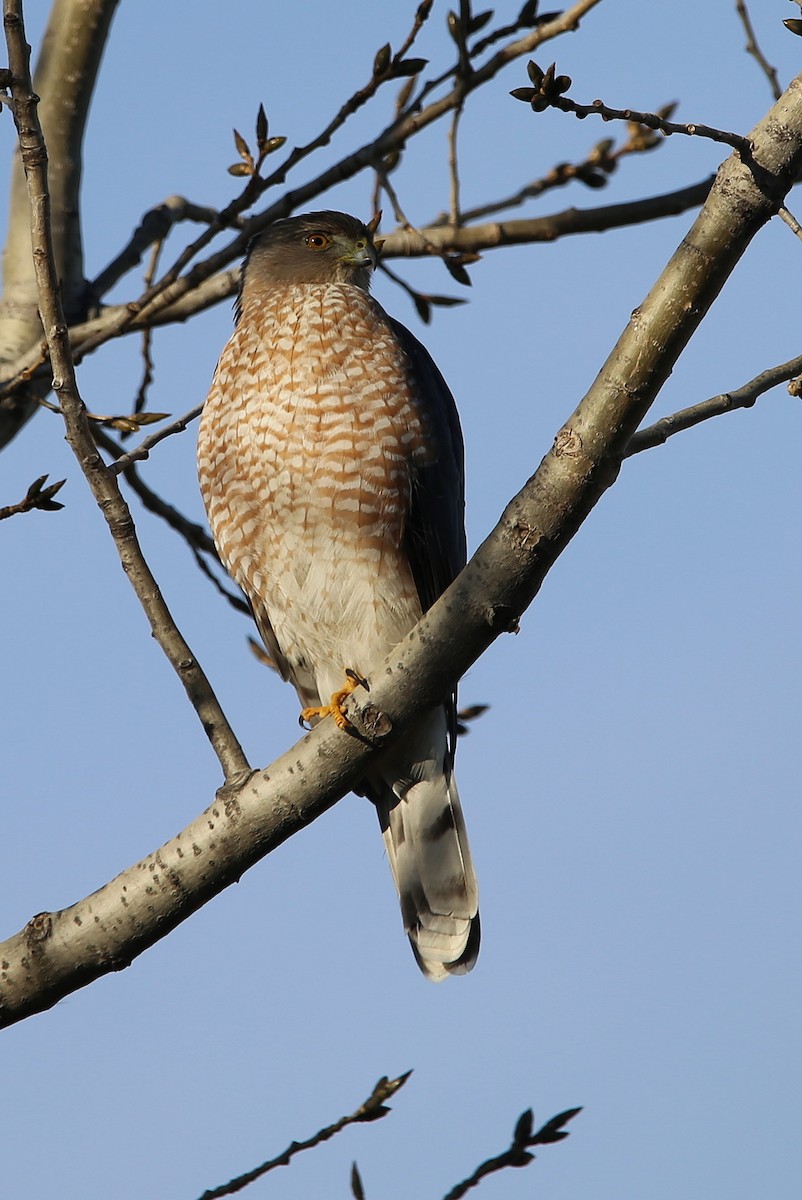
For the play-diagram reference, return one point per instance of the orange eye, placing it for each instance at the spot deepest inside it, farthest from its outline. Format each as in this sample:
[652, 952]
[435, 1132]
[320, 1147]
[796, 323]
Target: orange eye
[318, 241]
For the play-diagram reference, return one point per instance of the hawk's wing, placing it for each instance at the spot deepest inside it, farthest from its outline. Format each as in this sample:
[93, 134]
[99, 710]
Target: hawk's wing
[434, 536]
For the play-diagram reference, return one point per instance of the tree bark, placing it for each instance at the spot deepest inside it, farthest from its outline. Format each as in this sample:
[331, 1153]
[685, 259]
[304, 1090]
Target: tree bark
[64, 80]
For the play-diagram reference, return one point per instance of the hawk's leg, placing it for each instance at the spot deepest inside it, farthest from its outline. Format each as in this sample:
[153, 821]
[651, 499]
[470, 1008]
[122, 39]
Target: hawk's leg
[334, 708]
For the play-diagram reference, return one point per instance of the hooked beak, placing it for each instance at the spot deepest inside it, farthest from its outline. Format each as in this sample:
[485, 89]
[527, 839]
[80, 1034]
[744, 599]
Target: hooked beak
[364, 254]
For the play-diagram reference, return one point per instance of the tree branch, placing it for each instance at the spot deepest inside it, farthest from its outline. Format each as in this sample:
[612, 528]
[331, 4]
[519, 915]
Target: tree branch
[59, 952]
[372, 1109]
[686, 418]
[65, 79]
[79, 435]
[548, 92]
[518, 1154]
[753, 48]
[37, 496]
[170, 292]
[116, 321]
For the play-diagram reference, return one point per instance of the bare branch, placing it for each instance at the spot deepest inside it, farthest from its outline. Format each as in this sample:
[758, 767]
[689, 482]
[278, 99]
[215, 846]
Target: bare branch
[89, 335]
[172, 288]
[686, 418]
[60, 952]
[65, 78]
[454, 217]
[144, 448]
[37, 496]
[423, 301]
[101, 481]
[140, 400]
[594, 171]
[196, 536]
[753, 48]
[154, 227]
[372, 1109]
[175, 298]
[490, 235]
[519, 1152]
[548, 91]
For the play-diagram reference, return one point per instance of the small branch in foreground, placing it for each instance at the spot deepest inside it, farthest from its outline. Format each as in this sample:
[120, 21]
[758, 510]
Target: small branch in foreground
[37, 496]
[123, 461]
[373, 1109]
[528, 18]
[548, 91]
[519, 1152]
[743, 397]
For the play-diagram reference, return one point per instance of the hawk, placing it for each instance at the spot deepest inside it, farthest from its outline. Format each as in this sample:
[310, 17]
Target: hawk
[331, 467]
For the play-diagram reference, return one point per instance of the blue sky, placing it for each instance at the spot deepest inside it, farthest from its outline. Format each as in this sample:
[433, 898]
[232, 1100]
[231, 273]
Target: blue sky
[632, 794]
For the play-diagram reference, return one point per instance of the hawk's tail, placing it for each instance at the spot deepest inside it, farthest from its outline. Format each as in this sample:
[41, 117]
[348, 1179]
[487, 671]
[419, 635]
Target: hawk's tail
[427, 845]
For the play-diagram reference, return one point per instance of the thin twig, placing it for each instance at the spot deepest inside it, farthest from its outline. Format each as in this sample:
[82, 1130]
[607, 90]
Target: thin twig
[146, 445]
[196, 536]
[518, 1153]
[79, 435]
[147, 334]
[154, 227]
[37, 497]
[594, 171]
[373, 1109]
[527, 19]
[548, 91]
[753, 48]
[423, 301]
[653, 121]
[459, 27]
[743, 397]
[453, 167]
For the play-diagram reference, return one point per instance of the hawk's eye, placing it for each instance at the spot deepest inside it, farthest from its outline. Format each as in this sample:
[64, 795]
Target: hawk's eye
[318, 241]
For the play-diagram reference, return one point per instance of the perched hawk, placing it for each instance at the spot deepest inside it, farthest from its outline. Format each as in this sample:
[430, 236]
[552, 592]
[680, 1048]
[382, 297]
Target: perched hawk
[330, 462]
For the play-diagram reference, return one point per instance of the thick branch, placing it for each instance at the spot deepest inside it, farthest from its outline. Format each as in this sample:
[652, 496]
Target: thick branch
[65, 79]
[60, 952]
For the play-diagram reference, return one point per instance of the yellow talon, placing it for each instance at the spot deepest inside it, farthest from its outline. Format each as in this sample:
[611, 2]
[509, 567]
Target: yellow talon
[334, 708]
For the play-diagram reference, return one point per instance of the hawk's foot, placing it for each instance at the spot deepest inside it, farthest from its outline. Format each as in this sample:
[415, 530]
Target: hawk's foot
[334, 708]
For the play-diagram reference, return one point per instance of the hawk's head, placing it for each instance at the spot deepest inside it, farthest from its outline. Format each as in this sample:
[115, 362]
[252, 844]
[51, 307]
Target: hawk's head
[319, 247]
